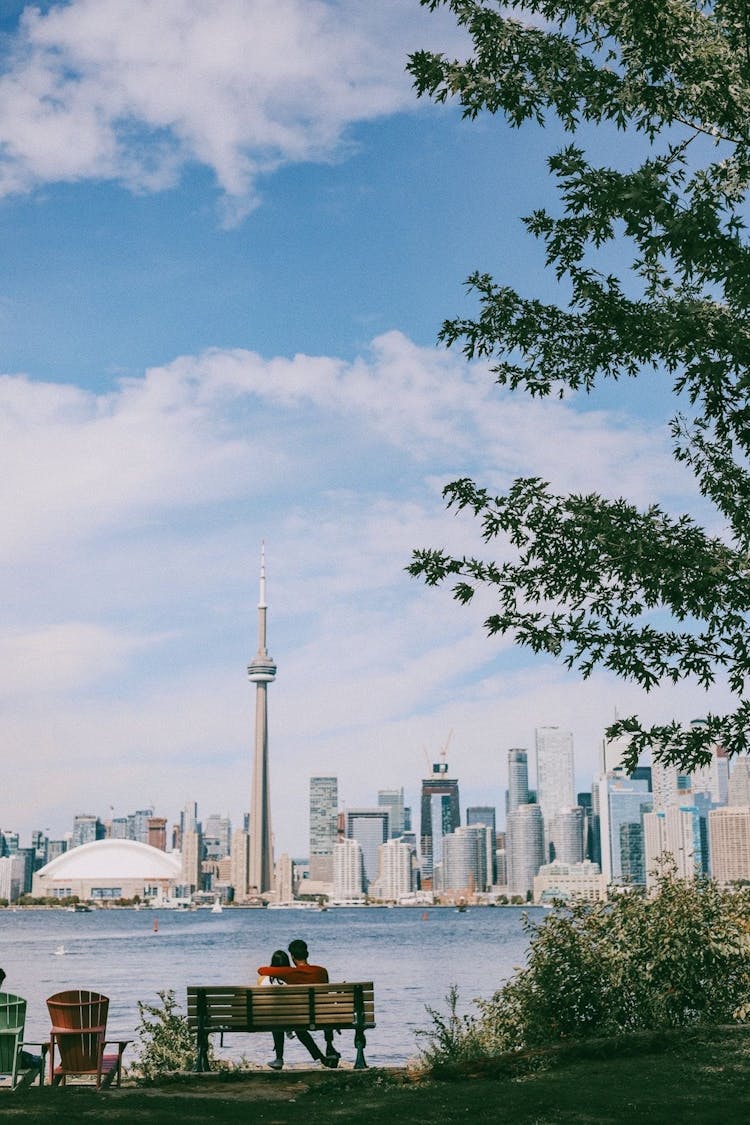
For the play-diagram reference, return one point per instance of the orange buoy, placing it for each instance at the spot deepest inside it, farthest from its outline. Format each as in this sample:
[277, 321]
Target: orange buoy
[156, 925]
[424, 915]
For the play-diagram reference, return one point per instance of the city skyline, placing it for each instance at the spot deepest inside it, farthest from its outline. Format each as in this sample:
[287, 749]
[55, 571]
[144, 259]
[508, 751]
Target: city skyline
[230, 238]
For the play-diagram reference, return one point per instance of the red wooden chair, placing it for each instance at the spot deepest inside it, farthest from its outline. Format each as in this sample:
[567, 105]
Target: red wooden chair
[79, 1024]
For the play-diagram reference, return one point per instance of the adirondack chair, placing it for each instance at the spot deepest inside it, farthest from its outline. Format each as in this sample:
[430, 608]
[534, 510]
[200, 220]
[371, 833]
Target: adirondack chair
[14, 1062]
[79, 1024]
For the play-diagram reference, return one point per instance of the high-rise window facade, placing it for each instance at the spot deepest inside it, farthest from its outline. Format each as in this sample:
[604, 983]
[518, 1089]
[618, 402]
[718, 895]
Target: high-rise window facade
[323, 827]
[518, 779]
[440, 815]
[370, 828]
[555, 781]
[393, 800]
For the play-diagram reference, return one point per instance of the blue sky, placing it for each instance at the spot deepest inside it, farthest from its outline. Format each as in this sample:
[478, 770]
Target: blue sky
[229, 237]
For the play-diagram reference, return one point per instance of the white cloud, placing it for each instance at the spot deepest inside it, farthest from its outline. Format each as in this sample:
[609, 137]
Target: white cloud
[102, 89]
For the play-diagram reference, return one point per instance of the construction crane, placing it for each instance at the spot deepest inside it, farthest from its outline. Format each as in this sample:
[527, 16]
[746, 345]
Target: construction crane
[443, 755]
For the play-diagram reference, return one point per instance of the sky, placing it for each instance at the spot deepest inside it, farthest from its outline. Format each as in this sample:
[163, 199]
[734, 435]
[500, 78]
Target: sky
[230, 234]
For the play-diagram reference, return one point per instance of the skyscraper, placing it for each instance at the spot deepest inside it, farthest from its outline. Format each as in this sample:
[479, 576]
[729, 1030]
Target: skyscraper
[262, 672]
[481, 814]
[525, 844]
[324, 802]
[738, 790]
[440, 815]
[467, 855]
[348, 873]
[567, 833]
[393, 800]
[555, 787]
[622, 801]
[675, 831]
[370, 828]
[729, 830]
[518, 779]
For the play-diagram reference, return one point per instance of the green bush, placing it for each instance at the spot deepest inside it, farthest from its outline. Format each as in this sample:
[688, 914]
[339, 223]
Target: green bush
[164, 1038]
[678, 958]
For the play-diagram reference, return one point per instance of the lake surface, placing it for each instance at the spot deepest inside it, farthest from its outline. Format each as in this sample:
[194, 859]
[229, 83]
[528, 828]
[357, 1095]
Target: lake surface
[412, 960]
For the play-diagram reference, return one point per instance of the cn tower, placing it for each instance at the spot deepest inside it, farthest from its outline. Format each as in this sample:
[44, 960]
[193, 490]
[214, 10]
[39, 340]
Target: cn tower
[262, 671]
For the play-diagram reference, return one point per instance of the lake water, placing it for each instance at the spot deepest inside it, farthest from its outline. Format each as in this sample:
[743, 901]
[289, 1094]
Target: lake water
[412, 960]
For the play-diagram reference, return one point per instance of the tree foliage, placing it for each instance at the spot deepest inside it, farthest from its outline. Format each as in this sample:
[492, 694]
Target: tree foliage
[678, 959]
[600, 583]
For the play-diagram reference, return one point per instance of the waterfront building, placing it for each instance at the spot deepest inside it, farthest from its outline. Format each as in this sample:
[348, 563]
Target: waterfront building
[466, 853]
[348, 872]
[668, 785]
[139, 824]
[86, 828]
[525, 846]
[622, 801]
[517, 792]
[395, 871]
[484, 816]
[7, 891]
[675, 835]
[323, 827]
[481, 814]
[713, 778]
[119, 828]
[613, 751]
[567, 881]
[284, 879]
[157, 832]
[729, 834]
[501, 867]
[56, 848]
[393, 800]
[239, 864]
[217, 836]
[104, 870]
[441, 815]
[738, 788]
[262, 672]
[370, 828]
[192, 858]
[567, 834]
[555, 782]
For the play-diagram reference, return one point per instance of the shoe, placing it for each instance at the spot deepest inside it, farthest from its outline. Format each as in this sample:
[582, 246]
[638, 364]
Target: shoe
[276, 1064]
[331, 1060]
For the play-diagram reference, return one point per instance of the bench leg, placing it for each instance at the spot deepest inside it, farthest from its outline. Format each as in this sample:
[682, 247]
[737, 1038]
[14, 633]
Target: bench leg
[360, 1043]
[201, 1058]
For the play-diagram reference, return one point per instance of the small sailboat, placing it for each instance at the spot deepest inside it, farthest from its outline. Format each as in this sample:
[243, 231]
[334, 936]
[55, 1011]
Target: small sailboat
[217, 907]
[60, 951]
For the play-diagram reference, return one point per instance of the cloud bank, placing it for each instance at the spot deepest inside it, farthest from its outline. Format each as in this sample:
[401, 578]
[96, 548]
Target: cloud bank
[133, 521]
[137, 92]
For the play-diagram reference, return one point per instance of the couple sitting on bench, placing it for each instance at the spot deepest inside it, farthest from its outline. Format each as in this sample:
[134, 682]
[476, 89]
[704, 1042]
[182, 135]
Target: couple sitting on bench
[281, 972]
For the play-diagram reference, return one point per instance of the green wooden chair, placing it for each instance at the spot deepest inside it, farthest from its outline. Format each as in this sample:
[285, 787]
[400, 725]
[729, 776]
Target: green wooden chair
[16, 1066]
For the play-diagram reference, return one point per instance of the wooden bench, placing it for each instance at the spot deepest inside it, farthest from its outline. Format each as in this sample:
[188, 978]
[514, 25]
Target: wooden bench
[305, 1007]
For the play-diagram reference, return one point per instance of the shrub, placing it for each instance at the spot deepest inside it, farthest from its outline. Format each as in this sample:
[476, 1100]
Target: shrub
[164, 1038]
[678, 958]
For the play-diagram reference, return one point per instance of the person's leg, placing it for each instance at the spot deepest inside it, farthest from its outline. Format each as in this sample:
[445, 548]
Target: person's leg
[332, 1055]
[307, 1040]
[277, 1061]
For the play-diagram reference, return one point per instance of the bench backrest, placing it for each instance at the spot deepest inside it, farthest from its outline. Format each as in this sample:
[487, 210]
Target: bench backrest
[12, 1020]
[310, 1006]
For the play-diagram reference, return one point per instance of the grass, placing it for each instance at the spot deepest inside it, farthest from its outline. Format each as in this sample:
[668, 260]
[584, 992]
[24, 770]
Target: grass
[700, 1077]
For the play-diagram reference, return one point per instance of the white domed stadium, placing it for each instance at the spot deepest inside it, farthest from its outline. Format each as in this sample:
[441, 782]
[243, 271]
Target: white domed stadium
[104, 870]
